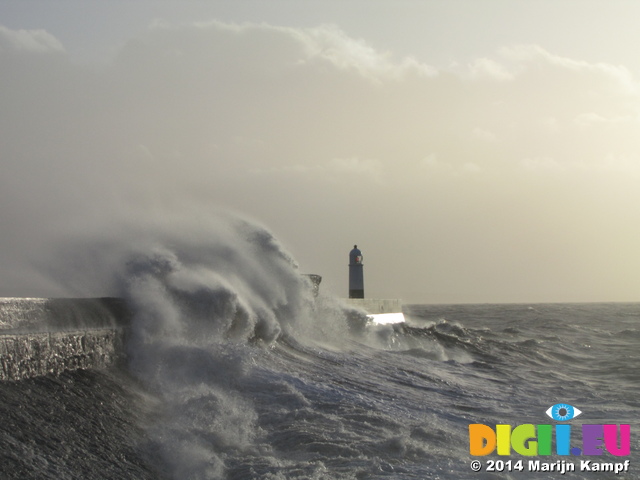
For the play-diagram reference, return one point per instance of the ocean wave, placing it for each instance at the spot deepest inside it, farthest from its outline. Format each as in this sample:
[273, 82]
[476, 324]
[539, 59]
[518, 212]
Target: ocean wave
[247, 375]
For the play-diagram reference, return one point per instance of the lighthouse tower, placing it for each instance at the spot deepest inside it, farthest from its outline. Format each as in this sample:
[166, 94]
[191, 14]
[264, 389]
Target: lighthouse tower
[356, 277]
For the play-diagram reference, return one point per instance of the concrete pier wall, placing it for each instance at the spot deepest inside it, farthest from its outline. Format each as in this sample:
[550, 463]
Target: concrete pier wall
[40, 336]
[35, 354]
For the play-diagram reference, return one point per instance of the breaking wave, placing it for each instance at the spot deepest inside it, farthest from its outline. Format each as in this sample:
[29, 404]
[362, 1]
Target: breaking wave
[247, 374]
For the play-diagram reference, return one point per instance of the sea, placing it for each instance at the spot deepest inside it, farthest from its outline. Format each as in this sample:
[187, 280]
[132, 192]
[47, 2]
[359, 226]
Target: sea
[235, 370]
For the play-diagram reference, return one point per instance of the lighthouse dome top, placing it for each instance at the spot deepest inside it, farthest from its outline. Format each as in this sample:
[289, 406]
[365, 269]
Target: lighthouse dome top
[355, 256]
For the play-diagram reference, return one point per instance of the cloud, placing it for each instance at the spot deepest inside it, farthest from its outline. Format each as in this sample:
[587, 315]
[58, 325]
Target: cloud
[592, 119]
[485, 68]
[529, 58]
[30, 41]
[308, 129]
[329, 43]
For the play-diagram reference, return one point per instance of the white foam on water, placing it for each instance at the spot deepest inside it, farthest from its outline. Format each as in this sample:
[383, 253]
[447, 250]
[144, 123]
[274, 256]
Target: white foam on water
[386, 318]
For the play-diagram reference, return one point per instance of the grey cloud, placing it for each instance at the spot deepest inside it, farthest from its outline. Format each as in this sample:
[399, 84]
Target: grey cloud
[31, 41]
[325, 139]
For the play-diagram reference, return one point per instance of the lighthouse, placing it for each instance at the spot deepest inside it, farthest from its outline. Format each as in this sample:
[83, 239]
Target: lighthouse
[356, 276]
[378, 310]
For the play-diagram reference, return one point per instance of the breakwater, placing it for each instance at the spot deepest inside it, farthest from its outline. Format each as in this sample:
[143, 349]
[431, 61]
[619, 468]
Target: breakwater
[40, 336]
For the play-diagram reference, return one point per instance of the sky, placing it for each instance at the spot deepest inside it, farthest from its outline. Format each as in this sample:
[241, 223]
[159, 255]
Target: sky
[475, 151]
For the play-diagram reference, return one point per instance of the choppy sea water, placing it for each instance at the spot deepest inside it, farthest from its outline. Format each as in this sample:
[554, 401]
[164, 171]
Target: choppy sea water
[395, 402]
[234, 370]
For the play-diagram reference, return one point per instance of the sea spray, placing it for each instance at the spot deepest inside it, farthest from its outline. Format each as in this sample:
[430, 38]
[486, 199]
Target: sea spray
[253, 375]
[329, 406]
[198, 308]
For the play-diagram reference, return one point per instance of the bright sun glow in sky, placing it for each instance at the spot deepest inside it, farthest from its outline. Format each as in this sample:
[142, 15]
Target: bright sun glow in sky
[476, 151]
